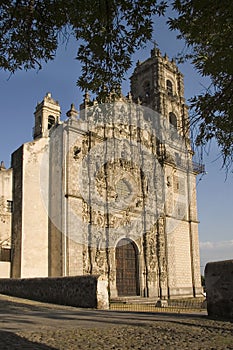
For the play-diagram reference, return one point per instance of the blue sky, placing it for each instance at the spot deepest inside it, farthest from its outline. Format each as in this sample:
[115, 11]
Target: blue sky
[21, 92]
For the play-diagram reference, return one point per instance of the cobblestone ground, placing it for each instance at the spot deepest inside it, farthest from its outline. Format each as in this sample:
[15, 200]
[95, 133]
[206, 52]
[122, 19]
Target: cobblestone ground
[204, 334]
[175, 332]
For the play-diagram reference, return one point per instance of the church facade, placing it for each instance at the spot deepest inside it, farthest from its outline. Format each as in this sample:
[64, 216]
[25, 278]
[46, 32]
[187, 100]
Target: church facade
[111, 190]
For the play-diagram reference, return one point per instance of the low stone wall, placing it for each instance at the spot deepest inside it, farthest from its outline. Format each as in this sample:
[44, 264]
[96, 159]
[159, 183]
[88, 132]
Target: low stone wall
[219, 289]
[80, 291]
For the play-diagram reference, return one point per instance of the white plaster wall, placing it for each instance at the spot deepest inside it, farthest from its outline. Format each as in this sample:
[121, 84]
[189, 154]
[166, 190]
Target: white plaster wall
[5, 216]
[5, 268]
[34, 261]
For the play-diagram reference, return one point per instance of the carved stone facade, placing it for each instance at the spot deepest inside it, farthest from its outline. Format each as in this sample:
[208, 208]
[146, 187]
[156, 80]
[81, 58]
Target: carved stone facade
[112, 192]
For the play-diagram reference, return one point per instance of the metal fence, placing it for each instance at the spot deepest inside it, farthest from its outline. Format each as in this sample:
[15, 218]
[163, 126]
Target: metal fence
[174, 306]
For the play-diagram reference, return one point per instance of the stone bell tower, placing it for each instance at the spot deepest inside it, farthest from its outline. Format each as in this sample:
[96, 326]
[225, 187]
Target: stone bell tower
[158, 84]
[47, 114]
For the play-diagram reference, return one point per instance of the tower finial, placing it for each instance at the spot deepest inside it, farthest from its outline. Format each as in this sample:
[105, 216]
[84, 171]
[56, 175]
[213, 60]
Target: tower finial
[72, 113]
[155, 51]
[2, 165]
[155, 44]
[86, 97]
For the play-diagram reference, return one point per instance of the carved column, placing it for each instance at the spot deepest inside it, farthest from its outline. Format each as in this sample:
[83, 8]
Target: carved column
[162, 259]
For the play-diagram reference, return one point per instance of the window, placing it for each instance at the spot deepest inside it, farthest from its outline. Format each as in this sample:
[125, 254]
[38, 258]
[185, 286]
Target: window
[39, 121]
[146, 87]
[173, 120]
[177, 158]
[37, 127]
[9, 206]
[5, 254]
[169, 88]
[51, 121]
[123, 188]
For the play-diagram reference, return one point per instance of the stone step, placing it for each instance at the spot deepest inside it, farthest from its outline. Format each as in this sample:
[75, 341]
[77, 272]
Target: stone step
[134, 300]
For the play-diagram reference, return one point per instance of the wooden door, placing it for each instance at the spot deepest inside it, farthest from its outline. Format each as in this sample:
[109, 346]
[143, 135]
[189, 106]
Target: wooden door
[126, 268]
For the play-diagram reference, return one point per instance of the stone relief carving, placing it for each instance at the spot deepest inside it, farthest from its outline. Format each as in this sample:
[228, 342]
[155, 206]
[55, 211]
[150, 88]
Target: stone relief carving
[86, 266]
[111, 266]
[161, 251]
[86, 212]
[121, 176]
[151, 254]
[100, 260]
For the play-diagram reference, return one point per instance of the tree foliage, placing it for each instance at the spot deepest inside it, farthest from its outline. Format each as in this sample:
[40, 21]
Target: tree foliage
[108, 33]
[207, 28]
[111, 34]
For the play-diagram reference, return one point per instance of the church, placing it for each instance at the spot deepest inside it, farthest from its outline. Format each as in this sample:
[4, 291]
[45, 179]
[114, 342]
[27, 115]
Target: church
[109, 191]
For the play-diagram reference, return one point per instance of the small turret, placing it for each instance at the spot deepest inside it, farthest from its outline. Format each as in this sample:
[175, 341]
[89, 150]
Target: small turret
[47, 114]
[2, 166]
[72, 113]
[86, 101]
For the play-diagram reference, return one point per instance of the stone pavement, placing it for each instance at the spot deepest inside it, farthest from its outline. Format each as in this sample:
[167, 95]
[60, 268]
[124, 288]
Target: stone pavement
[32, 325]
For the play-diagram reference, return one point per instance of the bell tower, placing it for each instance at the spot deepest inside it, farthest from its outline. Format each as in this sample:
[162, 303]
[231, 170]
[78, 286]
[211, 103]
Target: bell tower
[47, 114]
[158, 84]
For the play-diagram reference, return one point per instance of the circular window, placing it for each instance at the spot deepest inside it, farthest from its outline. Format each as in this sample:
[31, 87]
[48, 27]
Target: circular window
[123, 189]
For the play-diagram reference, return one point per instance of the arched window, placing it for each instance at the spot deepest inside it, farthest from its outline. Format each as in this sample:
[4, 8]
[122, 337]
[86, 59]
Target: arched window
[51, 121]
[146, 87]
[169, 87]
[173, 120]
[39, 121]
[123, 189]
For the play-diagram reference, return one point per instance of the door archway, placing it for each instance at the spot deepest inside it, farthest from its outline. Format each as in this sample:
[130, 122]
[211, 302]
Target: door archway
[126, 268]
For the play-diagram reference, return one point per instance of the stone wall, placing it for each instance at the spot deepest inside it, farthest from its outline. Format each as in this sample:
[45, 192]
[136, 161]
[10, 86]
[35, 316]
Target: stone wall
[219, 289]
[80, 291]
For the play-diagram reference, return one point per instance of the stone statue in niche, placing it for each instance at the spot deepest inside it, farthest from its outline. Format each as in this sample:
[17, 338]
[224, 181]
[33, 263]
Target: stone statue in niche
[152, 249]
[161, 251]
[85, 143]
[126, 218]
[86, 265]
[152, 254]
[86, 212]
[110, 264]
[113, 221]
[100, 260]
[99, 219]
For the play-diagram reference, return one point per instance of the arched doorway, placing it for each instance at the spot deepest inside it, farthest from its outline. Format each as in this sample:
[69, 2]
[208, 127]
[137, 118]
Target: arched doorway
[126, 268]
